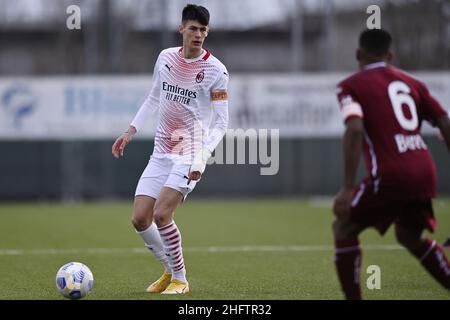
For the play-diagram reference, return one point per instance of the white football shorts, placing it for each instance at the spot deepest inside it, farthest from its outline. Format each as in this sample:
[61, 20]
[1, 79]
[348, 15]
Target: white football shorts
[164, 172]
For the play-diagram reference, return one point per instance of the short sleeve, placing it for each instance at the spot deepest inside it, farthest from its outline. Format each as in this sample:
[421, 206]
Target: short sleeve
[348, 102]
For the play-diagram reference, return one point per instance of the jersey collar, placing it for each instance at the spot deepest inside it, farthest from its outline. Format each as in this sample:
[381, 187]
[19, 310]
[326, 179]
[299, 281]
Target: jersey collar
[374, 65]
[203, 56]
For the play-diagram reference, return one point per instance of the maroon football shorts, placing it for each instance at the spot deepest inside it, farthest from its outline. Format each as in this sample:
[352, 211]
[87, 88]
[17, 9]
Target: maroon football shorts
[381, 209]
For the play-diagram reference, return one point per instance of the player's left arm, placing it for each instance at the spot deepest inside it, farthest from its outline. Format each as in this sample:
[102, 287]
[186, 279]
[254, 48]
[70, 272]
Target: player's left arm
[149, 106]
[219, 103]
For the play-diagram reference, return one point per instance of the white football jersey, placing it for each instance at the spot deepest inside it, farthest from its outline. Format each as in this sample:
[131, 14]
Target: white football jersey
[185, 92]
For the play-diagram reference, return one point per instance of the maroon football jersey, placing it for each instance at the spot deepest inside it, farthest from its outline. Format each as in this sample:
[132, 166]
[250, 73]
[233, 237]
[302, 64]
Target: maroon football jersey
[392, 106]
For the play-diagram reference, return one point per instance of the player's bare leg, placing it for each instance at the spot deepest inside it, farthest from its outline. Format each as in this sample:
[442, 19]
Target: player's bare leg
[348, 256]
[142, 212]
[165, 207]
[430, 254]
[142, 221]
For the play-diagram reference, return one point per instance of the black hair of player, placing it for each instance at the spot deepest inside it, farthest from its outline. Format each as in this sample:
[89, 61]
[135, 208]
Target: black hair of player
[376, 42]
[195, 13]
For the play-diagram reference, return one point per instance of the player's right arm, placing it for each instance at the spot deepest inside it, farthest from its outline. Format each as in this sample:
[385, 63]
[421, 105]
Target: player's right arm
[121, 142]
[149, 107]
[435, 114]
[352, 144]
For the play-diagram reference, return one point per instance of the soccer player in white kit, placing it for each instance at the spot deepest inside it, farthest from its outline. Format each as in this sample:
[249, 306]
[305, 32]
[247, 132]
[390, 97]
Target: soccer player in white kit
[189, 96]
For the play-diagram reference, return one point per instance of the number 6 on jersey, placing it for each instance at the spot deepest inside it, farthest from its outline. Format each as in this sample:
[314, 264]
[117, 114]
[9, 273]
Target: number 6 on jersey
[399, 94]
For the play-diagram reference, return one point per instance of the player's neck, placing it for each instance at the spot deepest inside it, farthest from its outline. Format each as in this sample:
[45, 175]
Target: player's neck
[192, 53]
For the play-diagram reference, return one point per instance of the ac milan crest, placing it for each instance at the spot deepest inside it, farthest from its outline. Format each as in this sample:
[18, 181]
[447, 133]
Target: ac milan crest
[200, 76]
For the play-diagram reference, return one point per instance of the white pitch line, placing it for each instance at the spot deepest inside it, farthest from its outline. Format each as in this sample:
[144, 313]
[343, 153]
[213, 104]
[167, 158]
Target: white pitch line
[294, 248]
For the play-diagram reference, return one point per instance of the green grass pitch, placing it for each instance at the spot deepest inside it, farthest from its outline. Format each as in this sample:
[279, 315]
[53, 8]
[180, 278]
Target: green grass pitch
[234, 249]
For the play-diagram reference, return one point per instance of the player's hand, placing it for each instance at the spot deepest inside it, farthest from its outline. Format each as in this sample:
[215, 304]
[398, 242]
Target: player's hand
[119, 145]
[198, 165]
[342, 202]
[194, 175]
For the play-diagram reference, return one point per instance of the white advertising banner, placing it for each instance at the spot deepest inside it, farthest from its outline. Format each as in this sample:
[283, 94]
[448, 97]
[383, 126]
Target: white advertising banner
[69, 108]
[101, 107]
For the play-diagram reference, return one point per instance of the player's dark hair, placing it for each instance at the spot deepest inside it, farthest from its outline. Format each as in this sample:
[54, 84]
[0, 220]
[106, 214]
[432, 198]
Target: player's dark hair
[195, 13]
[375, 41]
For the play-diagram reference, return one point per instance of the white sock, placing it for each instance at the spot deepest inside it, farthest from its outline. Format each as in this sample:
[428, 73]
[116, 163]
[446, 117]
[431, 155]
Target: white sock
[171, 238]
[153, 242]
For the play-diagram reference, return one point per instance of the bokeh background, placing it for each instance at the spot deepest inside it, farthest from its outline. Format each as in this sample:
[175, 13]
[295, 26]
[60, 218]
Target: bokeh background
[65, 95]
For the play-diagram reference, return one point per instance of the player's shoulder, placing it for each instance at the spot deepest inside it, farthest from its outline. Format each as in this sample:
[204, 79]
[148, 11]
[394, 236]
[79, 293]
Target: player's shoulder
[166, 55]
[407, 77]
[214, 61]
[169, 51]
[347, 82]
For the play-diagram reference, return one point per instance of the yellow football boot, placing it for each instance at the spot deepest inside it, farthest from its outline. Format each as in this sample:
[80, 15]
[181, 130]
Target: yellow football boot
[177, 287]
[161, 284]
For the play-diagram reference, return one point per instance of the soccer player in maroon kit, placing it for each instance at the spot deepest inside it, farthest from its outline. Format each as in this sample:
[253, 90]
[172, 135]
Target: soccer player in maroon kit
[383, 109]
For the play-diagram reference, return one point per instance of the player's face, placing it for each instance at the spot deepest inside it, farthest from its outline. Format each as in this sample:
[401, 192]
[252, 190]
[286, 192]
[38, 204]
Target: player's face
[194, 35]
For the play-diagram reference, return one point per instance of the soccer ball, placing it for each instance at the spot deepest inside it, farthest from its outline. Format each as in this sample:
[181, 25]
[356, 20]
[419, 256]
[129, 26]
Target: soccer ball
[74, 280]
